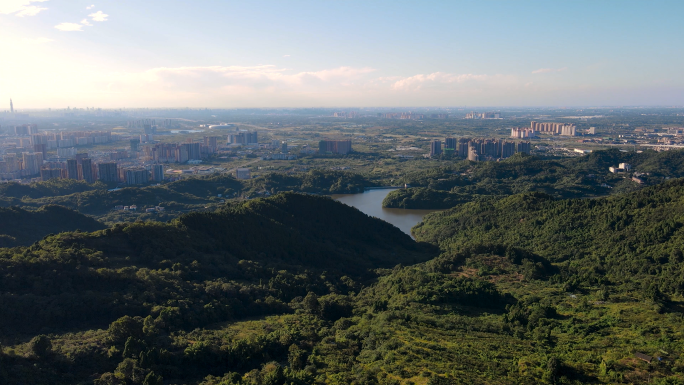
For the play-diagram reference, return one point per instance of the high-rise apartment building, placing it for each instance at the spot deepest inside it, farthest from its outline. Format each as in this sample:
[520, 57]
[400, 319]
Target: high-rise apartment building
[108, 172]
[183, 153]
[523, 133]
[525, 147]
[87, 170]
[243, 138]
[134, 144]
[450, 143]
[32, 162]
[137, 176]
[341, 147]
[157, 172]
[553, 128]
[507, 149]
[72, 169]
[211, 143]
[435, 148]
[50, 173]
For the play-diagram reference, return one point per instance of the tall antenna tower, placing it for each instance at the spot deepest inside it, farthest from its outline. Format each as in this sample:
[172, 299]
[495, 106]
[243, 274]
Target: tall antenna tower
[11, 106]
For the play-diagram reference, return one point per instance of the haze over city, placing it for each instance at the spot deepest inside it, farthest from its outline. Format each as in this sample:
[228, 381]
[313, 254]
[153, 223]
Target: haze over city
[230, 54]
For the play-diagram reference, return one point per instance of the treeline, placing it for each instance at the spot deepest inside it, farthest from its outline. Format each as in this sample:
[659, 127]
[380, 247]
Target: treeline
[183, 195]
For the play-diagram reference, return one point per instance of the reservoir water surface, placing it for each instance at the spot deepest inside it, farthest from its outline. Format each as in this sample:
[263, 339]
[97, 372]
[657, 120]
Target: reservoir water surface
[370, 203]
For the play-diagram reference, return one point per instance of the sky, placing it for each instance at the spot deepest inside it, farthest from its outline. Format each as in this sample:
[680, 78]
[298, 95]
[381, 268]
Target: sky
[242, 54]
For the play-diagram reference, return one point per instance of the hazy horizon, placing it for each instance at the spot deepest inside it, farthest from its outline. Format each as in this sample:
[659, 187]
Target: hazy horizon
[304, 54]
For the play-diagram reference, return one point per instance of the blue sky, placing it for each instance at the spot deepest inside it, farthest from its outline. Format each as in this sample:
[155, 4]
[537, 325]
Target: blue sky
[201, 53]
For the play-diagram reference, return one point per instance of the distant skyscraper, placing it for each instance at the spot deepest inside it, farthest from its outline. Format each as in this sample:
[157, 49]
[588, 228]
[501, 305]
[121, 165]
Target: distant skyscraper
[157, 172]
[108, 172]
[435, 148]
[32, 162]
[11, 106]
[72, 169]
[87, 170]
[525, 147]
[341, 147]
[50, 173]
[137, 176]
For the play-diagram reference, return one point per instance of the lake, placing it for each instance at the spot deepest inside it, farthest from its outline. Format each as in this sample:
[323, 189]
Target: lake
[370, 203]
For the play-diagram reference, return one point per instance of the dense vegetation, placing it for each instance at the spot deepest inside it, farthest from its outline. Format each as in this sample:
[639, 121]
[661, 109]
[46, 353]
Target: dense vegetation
[630, 242]
[299, 289]
[585, 176]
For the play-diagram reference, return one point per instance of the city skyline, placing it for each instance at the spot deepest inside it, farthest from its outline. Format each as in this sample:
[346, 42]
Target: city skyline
[172, 54]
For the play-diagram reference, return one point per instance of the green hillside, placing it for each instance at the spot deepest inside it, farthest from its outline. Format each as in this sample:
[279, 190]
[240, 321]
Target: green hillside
[298, 289]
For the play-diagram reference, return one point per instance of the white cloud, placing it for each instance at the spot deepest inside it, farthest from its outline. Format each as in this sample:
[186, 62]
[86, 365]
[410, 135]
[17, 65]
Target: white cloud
[69, 27]
[437, 79]
[547, 70]
[86, 22]
[31, 10]
[287, 55]
[99, 16]
[91, 6]
[20, 8]
[221, 81]
[38, 40]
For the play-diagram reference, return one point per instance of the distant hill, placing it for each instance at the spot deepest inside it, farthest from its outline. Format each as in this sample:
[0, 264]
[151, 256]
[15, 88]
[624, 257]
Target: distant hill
[23, 227]
[579, 177]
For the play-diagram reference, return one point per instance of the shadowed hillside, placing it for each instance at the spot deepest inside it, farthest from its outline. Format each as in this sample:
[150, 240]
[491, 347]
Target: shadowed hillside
[23, 227]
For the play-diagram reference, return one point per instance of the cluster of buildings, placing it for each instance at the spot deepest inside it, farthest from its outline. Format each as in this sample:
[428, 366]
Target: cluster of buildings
[349, 115]
[478, 149]
[483, 115]
[546, 128]
[401, 115]
[622, 167]
[83, 168]
[71, 138]
[554, 128]
[176, 152]
[523, 133]
[243, 138]
[341, 147]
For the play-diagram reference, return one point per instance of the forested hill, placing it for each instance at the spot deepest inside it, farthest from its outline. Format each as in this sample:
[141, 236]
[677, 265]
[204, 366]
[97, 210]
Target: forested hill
[250, 258]
[298, 289]
[23, 227]
[635, 240]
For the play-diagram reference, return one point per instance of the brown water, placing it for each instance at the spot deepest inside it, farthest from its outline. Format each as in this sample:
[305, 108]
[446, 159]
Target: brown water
[370, 203]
